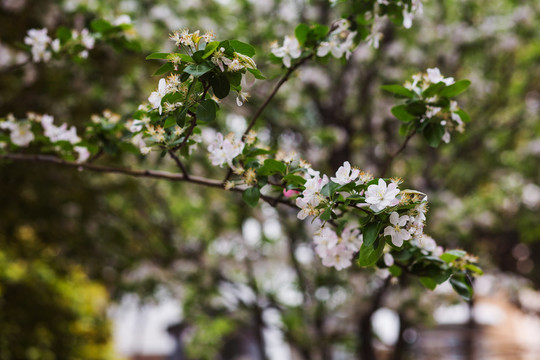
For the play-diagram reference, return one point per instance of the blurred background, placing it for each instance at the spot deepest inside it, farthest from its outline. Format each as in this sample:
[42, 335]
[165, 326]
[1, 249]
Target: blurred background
[99, 266]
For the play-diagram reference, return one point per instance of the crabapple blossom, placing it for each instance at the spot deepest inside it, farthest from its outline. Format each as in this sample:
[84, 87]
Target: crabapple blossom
[38, 40]
[290, 50]
[58, 133]
[380, 196]
[155, 97]
[224, 150]
[344, 175]
[434, 76]
[20, 133]
[397, 231]
[83, 153]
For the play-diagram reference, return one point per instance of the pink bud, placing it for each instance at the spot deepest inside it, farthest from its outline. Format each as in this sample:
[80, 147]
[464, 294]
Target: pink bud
[289, 193]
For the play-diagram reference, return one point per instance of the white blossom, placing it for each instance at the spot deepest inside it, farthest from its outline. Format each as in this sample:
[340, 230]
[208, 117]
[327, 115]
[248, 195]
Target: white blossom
[344, 175]
[58, 133]
[224, 150]
[122, 20]
[20, 133]
[380, 196]
[83, 153]
[241, 98]
[434, 76]
[397, 231]
[38, 40]
[290, 50]
[155, 97]
[388, 259]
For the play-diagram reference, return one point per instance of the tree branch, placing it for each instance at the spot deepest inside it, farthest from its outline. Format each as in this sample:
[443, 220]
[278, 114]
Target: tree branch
[155, 174]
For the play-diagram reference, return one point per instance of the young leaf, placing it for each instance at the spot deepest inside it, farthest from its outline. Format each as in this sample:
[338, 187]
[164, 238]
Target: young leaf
[251, 196]
[371, 231]
[463, 115]
[433, 134]
[370, 254]
[272, 166]
[292, 179]
[242, 48]
[301, 32]
[210, 48]
[165, 68]
[434, 89]
[461, 285]
[170, 121]
[197, 70]
[452, 255]
[206, 111]
[100, 25]
[64, 34]
[257, 74]
[398, 90]
[428, 282]
[329, 189]
[220, 86]
[455, 89]
[160, 56]
[402, 114]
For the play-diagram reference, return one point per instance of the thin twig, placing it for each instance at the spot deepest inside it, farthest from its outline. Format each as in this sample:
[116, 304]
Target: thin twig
[273, 93]
[179, 163]
[394, 155]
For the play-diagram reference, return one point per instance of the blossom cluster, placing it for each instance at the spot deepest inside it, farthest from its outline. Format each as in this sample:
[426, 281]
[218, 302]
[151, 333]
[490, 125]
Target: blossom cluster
[338, 42]
[380, 14]
[190, 41]
[450, 118]
[42, 46]
[23, 133]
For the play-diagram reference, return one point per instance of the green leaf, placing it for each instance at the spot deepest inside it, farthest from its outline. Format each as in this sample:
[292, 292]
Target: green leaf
[398, 90]
[463, 115]
[395, 270]
[371, 232]
[206, 111]
[401, 113]
[474, 269]
[197, 70]
[301, 32]
[100, 25]
[160, 56]
[329, 189]
[210, 48]
[462, 286]
[242, 48]
[370, 254]
[433, 134]
[434, 89]
[428, 282]
[416, 108]
[294, 179]
[326, 215]
[234, 78]
[272, 166]
[257, 74]
[251, 196]
[452, 255]
[455, 89]
[183, 57]
[64, 34]
[170, 121]
[165, 68]
[319, 32]
[198, 56]
[220, 86]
